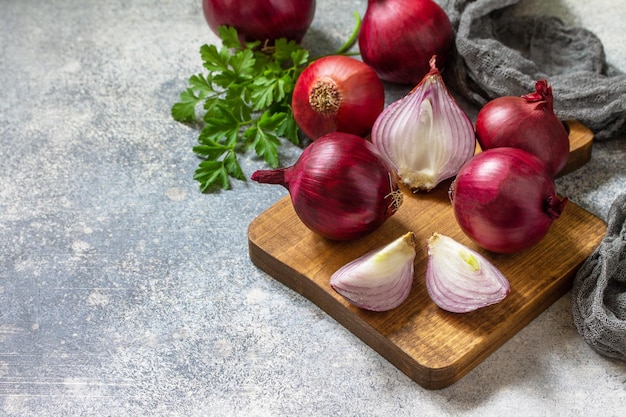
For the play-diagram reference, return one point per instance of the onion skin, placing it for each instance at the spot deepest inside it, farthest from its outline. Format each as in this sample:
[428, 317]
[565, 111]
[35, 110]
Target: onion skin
[398, 37]
[527, 122]
[337, 93]
[504, 199]
[379, 280]
[261, 20]
[340, 188]
[460, 280]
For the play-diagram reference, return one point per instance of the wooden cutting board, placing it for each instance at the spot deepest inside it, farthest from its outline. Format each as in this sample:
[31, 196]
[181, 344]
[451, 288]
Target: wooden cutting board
[433, 347]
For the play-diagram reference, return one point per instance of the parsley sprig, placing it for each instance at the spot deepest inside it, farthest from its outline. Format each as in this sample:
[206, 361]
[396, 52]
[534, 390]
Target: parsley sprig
[245, 101]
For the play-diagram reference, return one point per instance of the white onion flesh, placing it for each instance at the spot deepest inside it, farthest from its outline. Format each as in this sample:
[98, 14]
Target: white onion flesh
[459, 279]
[381, 279]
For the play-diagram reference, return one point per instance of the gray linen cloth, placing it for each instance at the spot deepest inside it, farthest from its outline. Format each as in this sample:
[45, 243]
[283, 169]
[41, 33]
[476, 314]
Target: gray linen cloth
[599, 292]
[500, 54]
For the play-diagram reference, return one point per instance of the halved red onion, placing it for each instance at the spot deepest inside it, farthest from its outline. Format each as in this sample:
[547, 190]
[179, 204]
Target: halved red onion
[459, 279]
[425, 136]
[381, 279]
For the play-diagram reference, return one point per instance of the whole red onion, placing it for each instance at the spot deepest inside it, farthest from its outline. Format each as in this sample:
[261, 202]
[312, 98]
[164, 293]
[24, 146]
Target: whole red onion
[337, 93]
[398, 38]
[504, 199]
[527, 122]
[261, 20]
[339, 187]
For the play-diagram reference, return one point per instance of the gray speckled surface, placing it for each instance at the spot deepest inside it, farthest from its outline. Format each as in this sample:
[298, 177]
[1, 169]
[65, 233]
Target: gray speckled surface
[126, 292]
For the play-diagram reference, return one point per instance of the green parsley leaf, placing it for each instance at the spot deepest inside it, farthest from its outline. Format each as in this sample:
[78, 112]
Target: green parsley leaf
[212, 174]
[214, 59]
[211, 150]
[232, 167]
[265, 91]
[185, 110]
[288, 128]
[229, 37]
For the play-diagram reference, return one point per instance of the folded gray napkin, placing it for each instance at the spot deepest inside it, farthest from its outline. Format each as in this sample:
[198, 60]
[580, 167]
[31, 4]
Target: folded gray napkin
[499, 54]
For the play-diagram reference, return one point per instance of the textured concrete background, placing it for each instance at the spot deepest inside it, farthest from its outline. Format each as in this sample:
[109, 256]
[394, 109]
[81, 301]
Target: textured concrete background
[126, 292]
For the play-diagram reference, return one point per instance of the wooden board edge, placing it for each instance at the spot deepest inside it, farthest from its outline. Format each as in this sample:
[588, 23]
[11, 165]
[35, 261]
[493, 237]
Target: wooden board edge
[581, 143]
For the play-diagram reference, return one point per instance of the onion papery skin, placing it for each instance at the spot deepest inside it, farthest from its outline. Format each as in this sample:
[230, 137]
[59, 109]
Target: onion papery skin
[504, 199]
[459, 279]
[425, 136]
[527, 122]
[398, 37]
[337, 94]
[380, 280]
[261, 20]
[340, 188]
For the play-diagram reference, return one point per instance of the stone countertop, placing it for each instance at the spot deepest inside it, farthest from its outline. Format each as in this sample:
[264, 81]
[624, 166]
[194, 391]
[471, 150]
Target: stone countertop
[124, 291]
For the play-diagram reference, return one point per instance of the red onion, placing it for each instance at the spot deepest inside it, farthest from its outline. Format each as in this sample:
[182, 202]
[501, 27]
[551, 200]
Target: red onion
[337, 93]
[261, 20]
[425, 136]
[398, 37]
[527, 122]
[504, 199]
[339, 187]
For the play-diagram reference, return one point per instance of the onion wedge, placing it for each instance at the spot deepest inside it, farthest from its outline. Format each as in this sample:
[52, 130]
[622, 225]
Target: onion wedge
[461, 280]
[381, 279]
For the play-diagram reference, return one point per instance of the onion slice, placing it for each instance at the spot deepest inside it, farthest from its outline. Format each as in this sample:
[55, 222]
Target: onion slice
[461, 280]
[381, 279]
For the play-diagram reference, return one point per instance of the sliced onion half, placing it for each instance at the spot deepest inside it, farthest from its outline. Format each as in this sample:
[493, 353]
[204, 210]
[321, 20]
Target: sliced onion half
[461, 280]
[379, 280]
